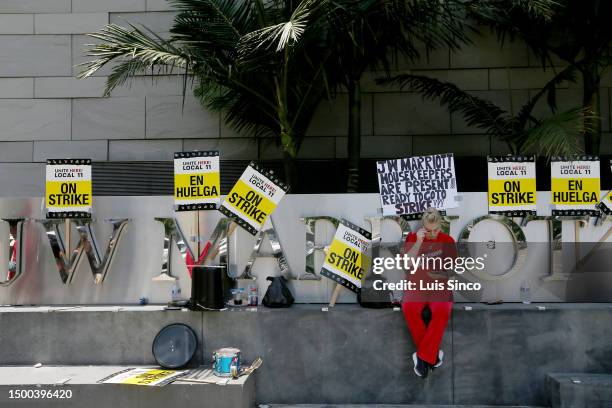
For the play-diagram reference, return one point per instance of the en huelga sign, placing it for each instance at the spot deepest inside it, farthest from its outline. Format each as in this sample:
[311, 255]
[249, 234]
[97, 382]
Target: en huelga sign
[409, 186]
[575, 185]
[197, 181]
[68, 191]
[253, 198]
[347, 260]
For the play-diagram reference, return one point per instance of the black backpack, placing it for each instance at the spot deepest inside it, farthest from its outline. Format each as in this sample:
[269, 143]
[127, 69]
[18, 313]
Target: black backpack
[278, 293]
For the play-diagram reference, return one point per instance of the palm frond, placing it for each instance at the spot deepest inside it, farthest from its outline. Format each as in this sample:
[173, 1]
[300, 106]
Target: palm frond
[476, 111]
[567, 74]
[137, 52]
[559, 134]
[536, 8]
[220, 22]
[279, 36]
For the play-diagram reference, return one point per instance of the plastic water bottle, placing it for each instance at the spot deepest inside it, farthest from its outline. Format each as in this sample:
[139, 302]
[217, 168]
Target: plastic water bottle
[525, 292]
[242, 294]
[253, 295]
[176, 292]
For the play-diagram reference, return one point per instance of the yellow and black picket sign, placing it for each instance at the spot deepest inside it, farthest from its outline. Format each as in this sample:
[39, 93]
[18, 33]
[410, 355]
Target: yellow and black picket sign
[512, 185]
[197, 181]
[68, 188]
[151, 377]
[148, 378]
[253, 198]
[606, 204]
[575, 185]
[346, 261]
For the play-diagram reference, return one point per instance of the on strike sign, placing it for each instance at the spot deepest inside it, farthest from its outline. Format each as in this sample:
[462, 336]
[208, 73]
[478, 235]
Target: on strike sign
[512, 185]
[347, 261]
[575, 186]
[411, 185]
[68, 192]
[253, 198]
[197, 181]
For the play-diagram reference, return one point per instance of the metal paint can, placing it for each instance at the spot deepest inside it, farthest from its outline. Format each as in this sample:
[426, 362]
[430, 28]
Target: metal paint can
[226, 362]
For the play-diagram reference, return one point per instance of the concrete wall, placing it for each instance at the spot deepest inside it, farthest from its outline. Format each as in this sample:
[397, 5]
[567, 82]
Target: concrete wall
[45, 112]
[495, 355]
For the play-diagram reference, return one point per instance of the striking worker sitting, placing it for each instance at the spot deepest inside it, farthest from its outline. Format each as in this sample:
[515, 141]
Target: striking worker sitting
[433, 246]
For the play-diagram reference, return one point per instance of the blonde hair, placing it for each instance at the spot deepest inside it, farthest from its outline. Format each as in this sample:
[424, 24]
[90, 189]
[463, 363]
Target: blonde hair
[431, 216]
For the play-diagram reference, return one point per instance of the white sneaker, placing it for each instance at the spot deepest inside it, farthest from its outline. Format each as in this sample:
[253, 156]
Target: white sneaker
[440, 359]
[420, 366]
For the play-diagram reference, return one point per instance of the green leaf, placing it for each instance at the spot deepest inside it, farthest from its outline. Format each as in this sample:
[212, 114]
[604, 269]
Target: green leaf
[476, 111]
[559, 134]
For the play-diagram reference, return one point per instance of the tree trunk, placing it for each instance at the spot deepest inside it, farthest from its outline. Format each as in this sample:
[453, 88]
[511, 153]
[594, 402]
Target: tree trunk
[354, 136]
[290, 159]
[592, 124]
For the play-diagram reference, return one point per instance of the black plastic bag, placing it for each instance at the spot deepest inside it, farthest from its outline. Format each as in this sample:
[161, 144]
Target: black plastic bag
[278, 293]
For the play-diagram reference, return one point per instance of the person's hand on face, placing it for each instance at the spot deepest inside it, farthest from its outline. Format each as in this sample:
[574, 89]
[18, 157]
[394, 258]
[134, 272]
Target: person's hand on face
[431, 231]
[420, 234]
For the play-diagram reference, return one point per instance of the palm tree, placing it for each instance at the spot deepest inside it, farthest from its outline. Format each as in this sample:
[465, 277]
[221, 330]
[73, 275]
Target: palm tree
[366, 34]
[259, 63]
[523, 132]
[579, 33]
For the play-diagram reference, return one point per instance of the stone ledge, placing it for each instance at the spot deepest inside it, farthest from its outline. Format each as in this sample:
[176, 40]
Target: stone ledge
[496, 355]
[580, 390]
[302, 307]
[85, 391]
[388, 406]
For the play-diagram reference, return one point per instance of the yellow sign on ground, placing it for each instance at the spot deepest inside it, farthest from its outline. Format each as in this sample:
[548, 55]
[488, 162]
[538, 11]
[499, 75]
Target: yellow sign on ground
[253, 198]
[512, 185]
[149, 377]
[197, 181]
[347, 262]
[68, 189]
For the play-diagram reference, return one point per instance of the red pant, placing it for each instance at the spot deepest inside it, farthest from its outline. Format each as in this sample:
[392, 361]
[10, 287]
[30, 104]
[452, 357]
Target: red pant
[427, 338]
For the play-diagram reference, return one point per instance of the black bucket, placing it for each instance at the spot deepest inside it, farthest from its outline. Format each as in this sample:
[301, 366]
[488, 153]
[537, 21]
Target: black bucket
[210, 287]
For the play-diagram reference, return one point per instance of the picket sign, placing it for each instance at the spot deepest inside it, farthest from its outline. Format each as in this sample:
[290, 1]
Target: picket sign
[51, 179]
[409, 186]
[575, 185]
[68, 188]
[347, 259]
[253, 198]
[512, 185]
[197, 180]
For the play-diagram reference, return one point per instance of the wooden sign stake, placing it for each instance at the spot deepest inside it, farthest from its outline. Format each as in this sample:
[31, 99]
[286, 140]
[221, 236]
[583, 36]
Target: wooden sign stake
[212, 252]
[67, 236]
[577, 243]
[198, 232]
[194, 232]
[335, 294]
